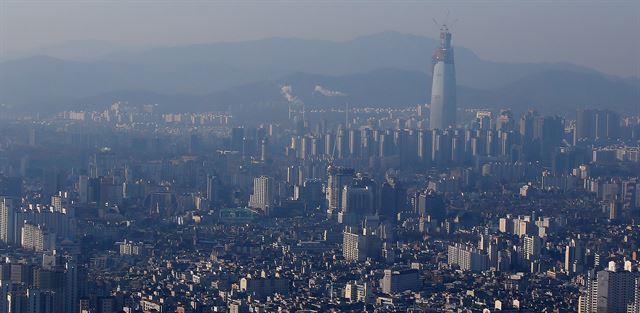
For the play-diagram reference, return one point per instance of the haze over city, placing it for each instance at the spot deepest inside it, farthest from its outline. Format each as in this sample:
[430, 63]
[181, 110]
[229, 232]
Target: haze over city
[582, 32]
[319, 156]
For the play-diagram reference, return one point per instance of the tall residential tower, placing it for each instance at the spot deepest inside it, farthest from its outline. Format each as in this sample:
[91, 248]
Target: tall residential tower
[443, 89]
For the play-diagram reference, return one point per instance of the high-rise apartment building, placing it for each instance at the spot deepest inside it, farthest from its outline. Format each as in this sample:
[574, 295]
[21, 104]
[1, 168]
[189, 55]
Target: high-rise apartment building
[338, 177]
[7, 220]
[612, 290]
[467, 258]
[262, 196]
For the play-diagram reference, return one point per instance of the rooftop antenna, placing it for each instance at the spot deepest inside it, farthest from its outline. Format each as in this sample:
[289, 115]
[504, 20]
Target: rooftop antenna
[446, 21]
[452, 23]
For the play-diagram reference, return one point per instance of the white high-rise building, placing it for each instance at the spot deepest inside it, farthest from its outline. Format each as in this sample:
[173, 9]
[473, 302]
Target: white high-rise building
[35, 237]
[467, 258]
[531, 246]
[262, 196]
[7, 220]
[443, 88]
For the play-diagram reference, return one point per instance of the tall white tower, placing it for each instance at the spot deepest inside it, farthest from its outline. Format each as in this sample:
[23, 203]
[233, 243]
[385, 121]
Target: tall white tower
[443, 89]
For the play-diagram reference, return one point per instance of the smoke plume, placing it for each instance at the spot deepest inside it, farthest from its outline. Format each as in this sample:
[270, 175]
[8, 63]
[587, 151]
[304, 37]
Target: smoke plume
[287, 92]
[328, 93]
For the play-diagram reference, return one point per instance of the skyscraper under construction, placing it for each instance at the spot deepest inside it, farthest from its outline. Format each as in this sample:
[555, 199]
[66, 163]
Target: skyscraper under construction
[443, 89]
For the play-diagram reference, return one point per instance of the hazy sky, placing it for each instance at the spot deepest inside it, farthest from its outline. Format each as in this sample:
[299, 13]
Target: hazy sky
[604, 35]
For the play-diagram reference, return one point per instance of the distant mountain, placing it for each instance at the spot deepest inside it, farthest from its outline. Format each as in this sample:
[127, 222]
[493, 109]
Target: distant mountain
[73, 50]
[551, 92]
[41, 81]
[363, 54]
[565, 91]
[388, 69]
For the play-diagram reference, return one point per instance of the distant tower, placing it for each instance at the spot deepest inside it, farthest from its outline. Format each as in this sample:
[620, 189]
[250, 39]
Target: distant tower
[443, 89]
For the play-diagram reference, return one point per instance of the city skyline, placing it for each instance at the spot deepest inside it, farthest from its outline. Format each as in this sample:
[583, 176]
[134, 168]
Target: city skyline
[380, 174]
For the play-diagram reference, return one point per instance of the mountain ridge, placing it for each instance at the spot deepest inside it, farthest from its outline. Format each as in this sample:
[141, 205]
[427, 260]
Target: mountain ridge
[213, 72]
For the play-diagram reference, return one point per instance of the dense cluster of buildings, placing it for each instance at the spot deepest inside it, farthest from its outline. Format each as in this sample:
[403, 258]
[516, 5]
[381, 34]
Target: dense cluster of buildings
[428, 209]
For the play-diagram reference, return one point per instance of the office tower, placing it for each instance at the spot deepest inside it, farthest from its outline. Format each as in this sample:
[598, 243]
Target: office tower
[406, 142]
[355, 143]
[368, 144]
[40, 301]
[342, 144]
[237, 137]
[630, 193]
[607, 125]
[72, 287]
[316, 144]
[477, 146]
[357, 202]
[442, 148]
[212, 188]
[483, 242]
[103, 164]
[549, 132]
[393, 198]
[527, 125]
[364, 181]
[329, 142]
[338, 177]
[467, 258]
[431, 203]
[506, 139]
[491, 143]
[425, 144]
[395, 281]
[596, 125]
[83, 188]
[304, 151]
[457, 148]
[585, 128]
[262, 196]
[7, 220]
[574, 257]
[443, 88]
[614, 209]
